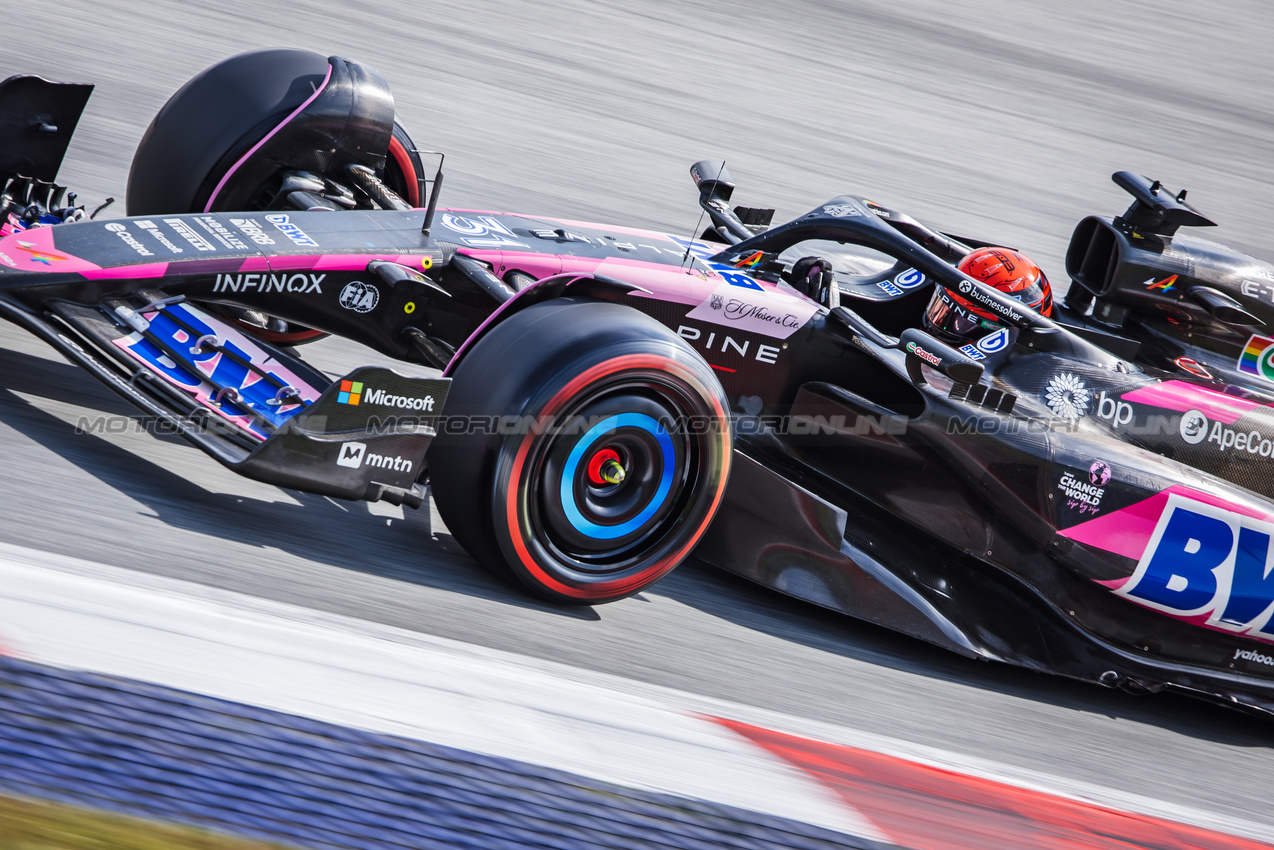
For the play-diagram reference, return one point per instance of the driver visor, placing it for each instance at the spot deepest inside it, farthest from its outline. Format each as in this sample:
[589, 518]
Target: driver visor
[949, 317]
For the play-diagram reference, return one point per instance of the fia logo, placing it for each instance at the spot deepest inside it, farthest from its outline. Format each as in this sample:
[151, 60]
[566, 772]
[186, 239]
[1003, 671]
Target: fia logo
[360, 297]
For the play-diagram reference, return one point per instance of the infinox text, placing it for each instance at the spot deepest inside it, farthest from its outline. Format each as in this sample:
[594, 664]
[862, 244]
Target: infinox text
[1209, 565]
[254, 282]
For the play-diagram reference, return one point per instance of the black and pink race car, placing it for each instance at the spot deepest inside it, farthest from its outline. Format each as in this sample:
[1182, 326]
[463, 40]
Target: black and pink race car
[1072, 494]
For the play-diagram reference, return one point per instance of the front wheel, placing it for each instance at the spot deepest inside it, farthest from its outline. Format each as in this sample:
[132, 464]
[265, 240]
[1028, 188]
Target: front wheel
[585, 450]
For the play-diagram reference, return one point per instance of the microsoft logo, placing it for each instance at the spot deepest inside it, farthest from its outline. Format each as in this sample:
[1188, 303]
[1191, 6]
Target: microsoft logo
[351, 392]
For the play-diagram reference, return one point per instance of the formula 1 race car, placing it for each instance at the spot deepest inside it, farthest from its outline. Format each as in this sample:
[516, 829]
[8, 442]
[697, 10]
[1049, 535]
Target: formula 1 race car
[611, 399]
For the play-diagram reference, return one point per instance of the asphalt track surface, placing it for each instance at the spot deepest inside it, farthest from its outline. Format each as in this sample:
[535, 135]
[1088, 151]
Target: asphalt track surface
[991, 119]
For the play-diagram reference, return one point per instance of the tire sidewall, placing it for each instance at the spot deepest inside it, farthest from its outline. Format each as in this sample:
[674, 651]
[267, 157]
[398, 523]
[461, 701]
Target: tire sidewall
[539, 364]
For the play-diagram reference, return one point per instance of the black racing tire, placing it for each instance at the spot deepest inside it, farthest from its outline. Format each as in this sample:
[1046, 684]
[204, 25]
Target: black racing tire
[602, 383]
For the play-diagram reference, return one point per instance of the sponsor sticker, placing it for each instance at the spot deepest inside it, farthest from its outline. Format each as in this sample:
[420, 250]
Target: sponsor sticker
[726, 344]
[1193, 427]
[1165, 285]
[751, 308]
[1113, 410]
[1080, 494]
[159, 236]
[44, 258]
[128, 239]
[909, 279]
[1208, 564]
[1252, 441]
[186, 232]
[927, 356]
[252, 230]
[969, 290]
[221, 233]
[351, 392]
[889, 287]
[356, 393]
[841, 210]
[360, 297]
[1256, 356]
[355, 455]
[994, 343]
[351, 455]
[290, 230]
[1067, 396]
[1253, 656]
[299, 282]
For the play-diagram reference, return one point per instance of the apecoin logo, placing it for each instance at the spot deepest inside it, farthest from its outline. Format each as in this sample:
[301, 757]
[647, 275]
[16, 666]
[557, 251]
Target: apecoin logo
[1194, 427]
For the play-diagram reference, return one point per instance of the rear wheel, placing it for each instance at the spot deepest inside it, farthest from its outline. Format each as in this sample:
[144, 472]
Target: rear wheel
[403, 170]
[241, 131]
[584, 453]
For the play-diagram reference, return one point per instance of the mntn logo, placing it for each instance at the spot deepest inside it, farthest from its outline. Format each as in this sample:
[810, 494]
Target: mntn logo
[356, 456]
[351, 455]
[351, 392]
[1207, 564]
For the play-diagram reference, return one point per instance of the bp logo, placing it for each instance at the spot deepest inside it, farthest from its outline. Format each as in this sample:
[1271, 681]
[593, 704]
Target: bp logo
[1067, 396]
[359, 297]
[1256, 357]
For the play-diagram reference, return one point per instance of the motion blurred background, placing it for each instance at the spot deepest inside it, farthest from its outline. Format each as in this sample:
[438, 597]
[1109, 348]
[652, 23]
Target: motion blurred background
[993, 119]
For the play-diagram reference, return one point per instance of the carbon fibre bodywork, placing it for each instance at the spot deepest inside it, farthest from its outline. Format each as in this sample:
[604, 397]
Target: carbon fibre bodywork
[1042, 501]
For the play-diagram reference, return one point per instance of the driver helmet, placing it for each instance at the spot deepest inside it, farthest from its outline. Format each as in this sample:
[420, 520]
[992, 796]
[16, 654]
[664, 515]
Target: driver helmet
[954, 318]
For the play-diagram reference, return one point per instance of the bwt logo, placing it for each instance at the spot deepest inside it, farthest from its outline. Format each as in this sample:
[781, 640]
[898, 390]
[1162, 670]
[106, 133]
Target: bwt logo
[356, 456]
[1210, 565]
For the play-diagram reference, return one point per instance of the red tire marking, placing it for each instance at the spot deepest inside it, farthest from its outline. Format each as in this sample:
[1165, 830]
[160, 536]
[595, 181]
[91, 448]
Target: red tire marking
[604, 589]
[921, 807]
[403, 159]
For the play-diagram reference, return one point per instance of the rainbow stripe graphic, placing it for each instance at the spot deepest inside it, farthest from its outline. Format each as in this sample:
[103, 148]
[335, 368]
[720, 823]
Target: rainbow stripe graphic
[1255, 359]
[46, 258]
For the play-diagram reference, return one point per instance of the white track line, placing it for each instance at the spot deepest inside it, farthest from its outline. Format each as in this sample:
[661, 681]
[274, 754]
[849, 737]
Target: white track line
[74, 613]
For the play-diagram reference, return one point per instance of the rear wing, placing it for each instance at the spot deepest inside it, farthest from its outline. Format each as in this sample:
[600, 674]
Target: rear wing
[37, 120]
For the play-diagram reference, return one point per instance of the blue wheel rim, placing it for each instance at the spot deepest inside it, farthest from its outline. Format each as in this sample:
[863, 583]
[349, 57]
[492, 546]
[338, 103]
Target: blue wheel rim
[610, 424]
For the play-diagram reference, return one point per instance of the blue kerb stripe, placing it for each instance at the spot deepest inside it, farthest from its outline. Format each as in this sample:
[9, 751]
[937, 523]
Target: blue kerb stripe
[156, 752]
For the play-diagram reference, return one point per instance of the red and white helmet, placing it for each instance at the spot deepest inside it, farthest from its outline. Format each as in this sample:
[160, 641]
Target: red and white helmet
[955, 318]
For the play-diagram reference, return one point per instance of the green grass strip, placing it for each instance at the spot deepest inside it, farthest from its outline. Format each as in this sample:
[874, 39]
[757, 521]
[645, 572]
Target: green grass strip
[37, 825]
